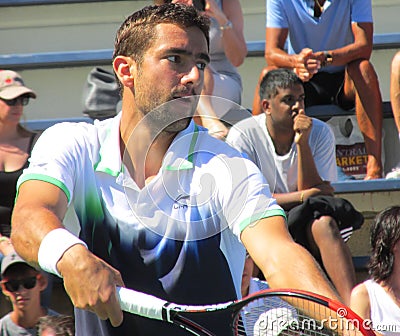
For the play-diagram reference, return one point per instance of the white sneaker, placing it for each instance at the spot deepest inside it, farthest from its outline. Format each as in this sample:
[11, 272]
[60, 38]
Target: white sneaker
[394, 174]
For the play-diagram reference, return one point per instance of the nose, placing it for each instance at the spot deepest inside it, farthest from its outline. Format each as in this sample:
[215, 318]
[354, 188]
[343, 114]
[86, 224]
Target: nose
[296, 104]
[193, 76]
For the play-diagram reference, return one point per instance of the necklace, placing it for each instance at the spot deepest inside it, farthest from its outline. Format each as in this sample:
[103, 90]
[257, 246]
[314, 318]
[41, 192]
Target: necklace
[318, 11]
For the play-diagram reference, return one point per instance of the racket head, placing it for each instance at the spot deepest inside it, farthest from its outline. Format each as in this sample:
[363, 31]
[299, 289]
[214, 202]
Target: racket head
[288, 312]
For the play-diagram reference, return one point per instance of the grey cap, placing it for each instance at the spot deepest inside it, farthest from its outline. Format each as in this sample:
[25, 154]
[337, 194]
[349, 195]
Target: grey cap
[11, 259]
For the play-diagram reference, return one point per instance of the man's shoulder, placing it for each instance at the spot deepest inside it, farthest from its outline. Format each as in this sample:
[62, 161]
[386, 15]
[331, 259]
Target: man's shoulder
[209, 145]
[4, 320]
[248, 126]
[321, 134]
[320, 125]
[68, 128]
[78, 133]
[8, 327]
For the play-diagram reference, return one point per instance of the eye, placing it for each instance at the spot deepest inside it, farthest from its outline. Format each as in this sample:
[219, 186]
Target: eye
[289, 100]
[174, 58]
[201, 65]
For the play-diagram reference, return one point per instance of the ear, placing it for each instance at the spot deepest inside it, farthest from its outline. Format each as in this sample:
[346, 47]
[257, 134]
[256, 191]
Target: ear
[125, 69]
[4, 290]
[42, 281]
[265, 106]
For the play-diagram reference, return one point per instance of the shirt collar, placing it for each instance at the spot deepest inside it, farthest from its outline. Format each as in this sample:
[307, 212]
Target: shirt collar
[178, 157]
[109, 153]
[180, 154]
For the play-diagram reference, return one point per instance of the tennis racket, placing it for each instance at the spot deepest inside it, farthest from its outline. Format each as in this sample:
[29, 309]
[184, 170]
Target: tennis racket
[264, 313]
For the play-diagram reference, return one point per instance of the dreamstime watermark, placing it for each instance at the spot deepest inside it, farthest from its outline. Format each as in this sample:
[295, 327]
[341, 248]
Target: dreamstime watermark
[341, 323]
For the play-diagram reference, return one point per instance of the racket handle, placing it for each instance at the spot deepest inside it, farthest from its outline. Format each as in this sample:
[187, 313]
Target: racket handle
[140, 303]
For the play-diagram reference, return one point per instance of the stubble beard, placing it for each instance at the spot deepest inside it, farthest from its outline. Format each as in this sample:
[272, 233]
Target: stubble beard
[162, 111]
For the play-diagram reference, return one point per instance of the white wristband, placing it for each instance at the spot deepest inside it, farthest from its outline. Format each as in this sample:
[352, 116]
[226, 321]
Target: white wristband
[52, 248]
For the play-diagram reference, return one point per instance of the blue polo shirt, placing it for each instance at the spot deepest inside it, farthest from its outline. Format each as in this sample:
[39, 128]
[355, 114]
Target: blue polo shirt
[332, 30]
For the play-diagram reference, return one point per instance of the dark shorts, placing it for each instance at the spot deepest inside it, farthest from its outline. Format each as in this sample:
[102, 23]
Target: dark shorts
[300, 217]
[326, 88]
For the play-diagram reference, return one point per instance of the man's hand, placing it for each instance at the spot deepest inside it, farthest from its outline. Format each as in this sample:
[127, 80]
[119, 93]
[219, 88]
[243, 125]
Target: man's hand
[306, 64]
[91, 283]
[302, 126]
[325, 188]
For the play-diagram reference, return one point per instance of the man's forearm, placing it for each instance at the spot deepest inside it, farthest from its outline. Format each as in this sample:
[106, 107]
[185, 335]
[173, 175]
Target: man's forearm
[309, 275]
[30, 225]
[308, 175]
[279, 58]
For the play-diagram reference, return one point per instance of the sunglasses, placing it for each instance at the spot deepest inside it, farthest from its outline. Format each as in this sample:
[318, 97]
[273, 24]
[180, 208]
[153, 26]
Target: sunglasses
[23, 100]
[27, 283]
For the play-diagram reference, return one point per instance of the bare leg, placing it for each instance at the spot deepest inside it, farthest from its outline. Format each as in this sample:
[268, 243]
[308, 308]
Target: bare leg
[329, 246]
[362, 77]
[395, 89]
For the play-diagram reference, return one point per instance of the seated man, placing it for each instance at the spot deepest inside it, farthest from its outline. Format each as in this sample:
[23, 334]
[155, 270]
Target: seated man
[296, 154]
[22, 284]
[329, 47]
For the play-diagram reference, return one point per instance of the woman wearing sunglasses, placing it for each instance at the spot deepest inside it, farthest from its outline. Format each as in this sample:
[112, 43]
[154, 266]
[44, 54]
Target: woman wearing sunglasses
[15, 142]
[22, 285]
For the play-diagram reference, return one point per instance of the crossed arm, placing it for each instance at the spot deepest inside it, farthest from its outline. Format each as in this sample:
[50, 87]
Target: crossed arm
[308, 62]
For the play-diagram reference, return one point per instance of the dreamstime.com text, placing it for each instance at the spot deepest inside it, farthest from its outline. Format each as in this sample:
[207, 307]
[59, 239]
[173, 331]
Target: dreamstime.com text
[339, 323]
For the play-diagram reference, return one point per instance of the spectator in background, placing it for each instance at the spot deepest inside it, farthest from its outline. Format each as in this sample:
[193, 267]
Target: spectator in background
[395, 101]
[59, 325]
[15, 142]
[159, 203]
[329, 48]
[22, 285]
[296, 154]
[378, 298]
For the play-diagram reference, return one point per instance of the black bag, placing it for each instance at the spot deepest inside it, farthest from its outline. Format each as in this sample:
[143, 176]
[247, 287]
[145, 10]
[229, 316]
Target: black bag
[100, 94]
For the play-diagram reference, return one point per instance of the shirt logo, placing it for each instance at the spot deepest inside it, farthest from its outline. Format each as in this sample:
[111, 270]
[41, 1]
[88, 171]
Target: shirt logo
[181, 201]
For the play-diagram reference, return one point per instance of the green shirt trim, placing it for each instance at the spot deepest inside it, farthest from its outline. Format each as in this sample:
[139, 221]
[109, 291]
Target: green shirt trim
[45, 178]
[266, 214]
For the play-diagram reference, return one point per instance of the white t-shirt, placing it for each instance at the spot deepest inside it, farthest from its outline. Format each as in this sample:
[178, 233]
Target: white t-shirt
[251, 137]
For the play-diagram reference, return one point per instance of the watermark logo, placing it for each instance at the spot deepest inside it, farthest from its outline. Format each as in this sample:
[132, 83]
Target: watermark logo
[340, 321]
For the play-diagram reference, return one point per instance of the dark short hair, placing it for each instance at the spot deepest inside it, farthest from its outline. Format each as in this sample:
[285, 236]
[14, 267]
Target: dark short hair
[62, 325]
[277, 79]
[137, 33]
[384, 234]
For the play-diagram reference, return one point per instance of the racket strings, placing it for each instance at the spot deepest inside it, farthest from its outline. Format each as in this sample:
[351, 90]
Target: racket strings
[273, 316]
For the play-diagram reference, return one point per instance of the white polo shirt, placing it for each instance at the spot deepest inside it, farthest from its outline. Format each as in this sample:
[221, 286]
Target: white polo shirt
[167, 238]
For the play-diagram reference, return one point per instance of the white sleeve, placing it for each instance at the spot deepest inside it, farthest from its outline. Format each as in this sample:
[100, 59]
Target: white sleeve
[249, 198]
[56, 157]
[323, 147]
